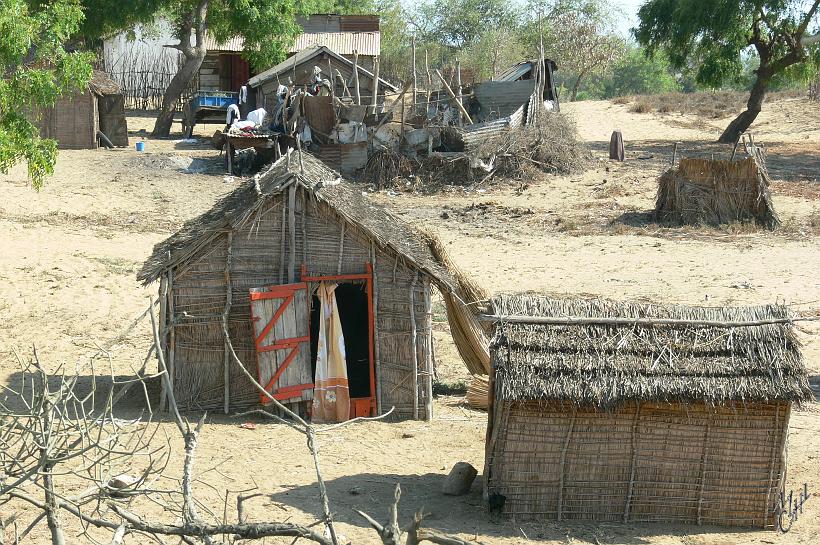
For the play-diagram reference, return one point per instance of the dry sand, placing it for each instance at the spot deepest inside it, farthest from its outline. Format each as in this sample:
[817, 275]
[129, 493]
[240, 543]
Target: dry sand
[71, 251]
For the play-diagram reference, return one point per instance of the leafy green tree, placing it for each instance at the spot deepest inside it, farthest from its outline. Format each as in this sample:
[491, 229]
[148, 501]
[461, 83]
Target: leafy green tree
[267, 27]
[716, 33]
[638, 74]
[37, 69]
[460, 23]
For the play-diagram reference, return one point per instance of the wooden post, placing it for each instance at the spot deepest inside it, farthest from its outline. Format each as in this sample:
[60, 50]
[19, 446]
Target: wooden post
[341, 248]
[703, 468]
[169, 362]
[374, 100]
[562, 465]
[415, 81]
[356, 77]
[453, 95]
[226, 361]
[428, 310]
[414, 336]
[283, 230]
[634, 446]
[377, 362]
[163, 323]
[429, 80]
[292, 233]
[229, 155]
[401, 139]
[458, 86]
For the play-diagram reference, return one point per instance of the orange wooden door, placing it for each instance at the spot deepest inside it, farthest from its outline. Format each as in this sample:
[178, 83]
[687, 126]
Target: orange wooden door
[280, 316]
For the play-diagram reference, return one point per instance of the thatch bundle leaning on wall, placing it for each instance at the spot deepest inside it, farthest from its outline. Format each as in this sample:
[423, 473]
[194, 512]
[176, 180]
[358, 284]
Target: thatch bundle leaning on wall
[703, 191]
[628, 420]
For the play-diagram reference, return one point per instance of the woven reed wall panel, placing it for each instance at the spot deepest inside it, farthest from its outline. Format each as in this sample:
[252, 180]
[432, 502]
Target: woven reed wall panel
[260, 252]
[662, 463]
[73, 122]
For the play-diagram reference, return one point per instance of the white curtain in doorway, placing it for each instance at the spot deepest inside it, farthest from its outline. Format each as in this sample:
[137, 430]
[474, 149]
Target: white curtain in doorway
[331, 396]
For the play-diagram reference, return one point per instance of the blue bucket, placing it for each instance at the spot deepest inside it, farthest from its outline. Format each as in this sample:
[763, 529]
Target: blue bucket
[140, 146]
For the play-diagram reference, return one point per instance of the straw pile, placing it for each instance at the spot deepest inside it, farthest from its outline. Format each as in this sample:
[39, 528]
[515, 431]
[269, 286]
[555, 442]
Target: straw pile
[478, 392]
[469, 335]
[702, 191]
[606, 365]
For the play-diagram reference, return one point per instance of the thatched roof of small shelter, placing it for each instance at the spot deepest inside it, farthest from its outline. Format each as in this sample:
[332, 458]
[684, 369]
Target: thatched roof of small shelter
[605, 364]
[326, 186]
[101, 85]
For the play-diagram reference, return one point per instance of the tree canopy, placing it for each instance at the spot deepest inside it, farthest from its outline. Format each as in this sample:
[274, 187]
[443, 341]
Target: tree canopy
[38, 67]
[716, 34]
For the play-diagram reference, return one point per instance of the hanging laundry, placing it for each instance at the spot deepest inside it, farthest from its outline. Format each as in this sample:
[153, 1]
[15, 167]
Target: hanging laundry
[243, 94]
[331, 396]
[232, 114]
[257, 116]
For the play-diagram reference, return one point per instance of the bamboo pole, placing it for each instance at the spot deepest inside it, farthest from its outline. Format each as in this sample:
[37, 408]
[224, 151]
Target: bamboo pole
[562, 465]
[356, 77]
[633, 461]
[452, 95]
[429, 80]
[413, 335]
[415, 80]
[341, 248]
[586, 320]
[374, 100]
[460, 98]
[226, 360]
[703, 471]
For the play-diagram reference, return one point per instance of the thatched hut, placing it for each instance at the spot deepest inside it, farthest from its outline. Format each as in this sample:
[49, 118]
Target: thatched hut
[716, 191]
[633, 412]
[282, 234]
[75, 119]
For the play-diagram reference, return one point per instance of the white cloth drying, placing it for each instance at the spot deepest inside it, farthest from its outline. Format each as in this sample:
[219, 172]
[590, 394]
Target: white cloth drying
[257, 116]
[232, 115]
[243, 94]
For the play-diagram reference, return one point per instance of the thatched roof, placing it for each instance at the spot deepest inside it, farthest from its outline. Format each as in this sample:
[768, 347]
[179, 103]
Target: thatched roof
[101, 85]
[346, 199]
[606, 365]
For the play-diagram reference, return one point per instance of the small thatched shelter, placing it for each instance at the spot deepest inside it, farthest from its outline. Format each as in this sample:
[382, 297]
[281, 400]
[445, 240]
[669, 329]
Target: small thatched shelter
[75, 119]
[631, 412]
[283, 233]
[716, 191]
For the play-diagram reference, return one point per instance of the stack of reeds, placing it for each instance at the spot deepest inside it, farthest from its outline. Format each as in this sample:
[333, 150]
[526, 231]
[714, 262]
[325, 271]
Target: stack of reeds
[478, 392]
[714, 192]
[470, 336]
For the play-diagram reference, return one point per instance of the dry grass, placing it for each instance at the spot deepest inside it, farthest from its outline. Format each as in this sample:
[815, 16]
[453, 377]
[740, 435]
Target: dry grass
[713, 105]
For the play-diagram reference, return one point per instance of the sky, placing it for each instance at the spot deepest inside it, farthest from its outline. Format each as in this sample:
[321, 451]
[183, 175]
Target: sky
[629, 18]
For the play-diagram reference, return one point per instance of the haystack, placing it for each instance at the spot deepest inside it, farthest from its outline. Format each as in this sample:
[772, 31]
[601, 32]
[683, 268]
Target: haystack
[597, 412]
[714, 192]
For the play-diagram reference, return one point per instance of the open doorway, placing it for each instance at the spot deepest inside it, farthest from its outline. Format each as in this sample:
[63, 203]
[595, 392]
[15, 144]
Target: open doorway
[351, 300]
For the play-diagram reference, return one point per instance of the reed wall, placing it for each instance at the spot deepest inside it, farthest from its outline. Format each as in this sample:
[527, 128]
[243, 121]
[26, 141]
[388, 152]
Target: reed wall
[647, 462]
[260, 255]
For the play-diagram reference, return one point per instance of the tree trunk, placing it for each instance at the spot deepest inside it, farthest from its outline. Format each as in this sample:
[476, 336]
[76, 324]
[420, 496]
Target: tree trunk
[52, 517]
[180, 81]
[575, 87]
[755, 103]
[193, 21]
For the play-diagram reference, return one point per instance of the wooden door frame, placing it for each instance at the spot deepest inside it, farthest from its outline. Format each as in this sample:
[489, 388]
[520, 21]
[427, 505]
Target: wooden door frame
[368, 279]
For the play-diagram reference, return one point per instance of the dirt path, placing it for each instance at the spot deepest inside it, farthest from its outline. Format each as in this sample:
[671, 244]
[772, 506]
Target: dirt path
[70, 254]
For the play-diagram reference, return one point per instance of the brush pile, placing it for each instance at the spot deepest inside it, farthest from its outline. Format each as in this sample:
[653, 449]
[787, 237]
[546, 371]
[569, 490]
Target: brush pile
[714, 192]
[550, 145]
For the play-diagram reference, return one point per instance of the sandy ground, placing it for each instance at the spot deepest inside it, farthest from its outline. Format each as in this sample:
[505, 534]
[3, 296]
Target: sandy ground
[71, 251]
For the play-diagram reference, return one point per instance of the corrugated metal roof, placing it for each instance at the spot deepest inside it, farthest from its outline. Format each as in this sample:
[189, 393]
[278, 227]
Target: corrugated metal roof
[304, 56]
[343, 43]
[234, 45]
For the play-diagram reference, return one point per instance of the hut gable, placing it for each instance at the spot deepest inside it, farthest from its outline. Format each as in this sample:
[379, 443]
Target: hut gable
[604, 365]
[327, 187]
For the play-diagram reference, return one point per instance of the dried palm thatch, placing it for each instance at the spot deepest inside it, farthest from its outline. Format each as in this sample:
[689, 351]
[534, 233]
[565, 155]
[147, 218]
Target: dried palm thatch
[385, 166]
[242, 204]
[605, 365]
[703, 191]
[100, 84]
[478, 391]
[608, 420]
[469, 334]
